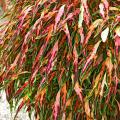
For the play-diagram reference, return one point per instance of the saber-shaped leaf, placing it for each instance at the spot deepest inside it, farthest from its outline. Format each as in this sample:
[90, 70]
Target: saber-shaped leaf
[102, 12]
[117, 39]
[12, 66]
[75, 62]
[96, 81]
[109, 63]
[87, 108]
[103, 84]
[66, 30]
[106, 4]
[81, 16]
[56, 106]
[81, 32]
[92, 27]
[117, 43]
[118, 103]
[22, 17]
[21, 89]
[59, 15]
[116, 83]
[61, 74]
[53, 54]
[64, 94]
[91, 55]
[40, 95]
[78, 91]
[50, 30]
[86, 12]
[70, 16]
[34, 73]
[15, 62]
[117, 31]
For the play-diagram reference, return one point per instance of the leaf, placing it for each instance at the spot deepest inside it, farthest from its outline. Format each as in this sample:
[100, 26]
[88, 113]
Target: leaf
[69, 116]
[56, 106]
[96, 81]
[61, 74]
[116, 83]
[34, 72]
[1, 42]
[117, 43]
[101, 6]
[75, 62]
[68, 35]
[117, 31]
[41, 82]
[15, 62]
[103, 84]
[64, 92]
[23, 15]
[114, 8]
[63, 116]
[104, 34]
[68, 103]
[92, 27]
[53, 54]
[78, 91]
[12, 66]
[81, 16]
[59, 15]
[105, 2]
[92, 55]
[21, 89]
[70, 16]
[109, 63]
[87, 108]
[86, 12]
[40, 96]
[118, 103]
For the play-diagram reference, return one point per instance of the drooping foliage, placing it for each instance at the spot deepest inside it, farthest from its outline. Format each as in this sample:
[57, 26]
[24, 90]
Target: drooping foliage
[62, 59]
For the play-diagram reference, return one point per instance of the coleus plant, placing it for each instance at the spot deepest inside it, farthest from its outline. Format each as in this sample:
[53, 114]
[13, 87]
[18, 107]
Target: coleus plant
[61, 58]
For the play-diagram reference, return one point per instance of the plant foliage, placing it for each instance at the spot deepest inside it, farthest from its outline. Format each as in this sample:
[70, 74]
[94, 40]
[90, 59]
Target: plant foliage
[62, 59]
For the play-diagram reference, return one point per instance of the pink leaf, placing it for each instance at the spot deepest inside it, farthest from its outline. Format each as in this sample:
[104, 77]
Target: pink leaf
[68, 35]
[86, 12]
[101, 6]
[106, 4]
[35, 71]
[75, 63]
[117, 43]
[53, 54]
[56, 106]
[22, 17]
[1, 42]
[82, 34]
[59, 15]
